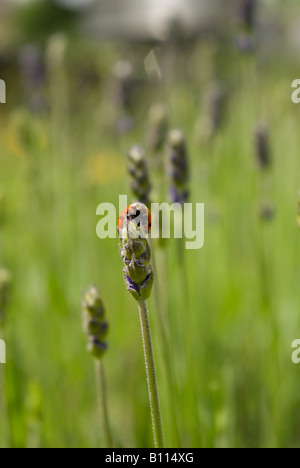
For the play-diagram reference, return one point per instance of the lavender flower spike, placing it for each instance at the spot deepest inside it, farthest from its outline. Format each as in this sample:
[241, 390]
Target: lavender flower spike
[262, 146]
[157, 127]
[247, 13]
[135, 253]
[246, 18]
[178, 166]
[94, 322]
[133, 225]
[138, 171]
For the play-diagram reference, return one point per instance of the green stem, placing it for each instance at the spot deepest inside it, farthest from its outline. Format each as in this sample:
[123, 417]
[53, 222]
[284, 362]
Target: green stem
[151, 375]
[167, 350]
[102, 399]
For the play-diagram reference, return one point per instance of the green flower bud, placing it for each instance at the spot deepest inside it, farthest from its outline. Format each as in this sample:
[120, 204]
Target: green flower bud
[96, 348]
[146, 287]
[136, 271]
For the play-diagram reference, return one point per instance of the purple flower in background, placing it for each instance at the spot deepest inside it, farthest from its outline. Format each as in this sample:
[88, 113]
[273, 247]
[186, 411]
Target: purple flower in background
[267, 212]
[178, 167]
[246, 19]
[217, 100]
[33, 74]
[158, 124]
[139, 175]
[245, 43]
[124, 124]
[31, 66]
[246, 10]
[124, 84]
[262, 146]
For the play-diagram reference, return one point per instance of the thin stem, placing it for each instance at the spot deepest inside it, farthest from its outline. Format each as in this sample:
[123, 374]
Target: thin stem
[151, 376]
[102, 399]
[167, 350]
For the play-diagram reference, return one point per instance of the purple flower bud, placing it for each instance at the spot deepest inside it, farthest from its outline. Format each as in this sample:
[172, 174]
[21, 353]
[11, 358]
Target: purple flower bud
[246, 19]
[132, 287]
[96, 348]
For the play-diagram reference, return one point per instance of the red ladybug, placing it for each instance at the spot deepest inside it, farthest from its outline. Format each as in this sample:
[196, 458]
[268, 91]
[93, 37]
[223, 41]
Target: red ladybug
[132, 212]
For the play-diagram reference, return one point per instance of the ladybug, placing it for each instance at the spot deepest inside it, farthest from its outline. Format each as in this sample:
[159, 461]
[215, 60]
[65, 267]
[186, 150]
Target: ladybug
[136, 210]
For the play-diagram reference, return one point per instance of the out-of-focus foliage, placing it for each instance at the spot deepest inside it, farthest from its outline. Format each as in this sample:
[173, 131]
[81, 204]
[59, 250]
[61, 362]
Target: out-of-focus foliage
[39, 19]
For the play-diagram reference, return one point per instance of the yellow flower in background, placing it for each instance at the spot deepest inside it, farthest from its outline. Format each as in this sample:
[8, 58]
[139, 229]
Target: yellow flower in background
[24, 134]
[105, 167]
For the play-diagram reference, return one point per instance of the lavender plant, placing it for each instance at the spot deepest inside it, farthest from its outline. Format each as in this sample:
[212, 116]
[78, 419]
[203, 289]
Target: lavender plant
[96, 327]
[139, 175]
[247, 13]
[246, 18]
[31, 66]
[157, 127]
[33, 74]
[179, 178]
[178, 166]
[214, 116]
[124, 88]
[138, 274]
[217, 99]
[262, 146]
[264, 160]
[124, 84]
[141, 187]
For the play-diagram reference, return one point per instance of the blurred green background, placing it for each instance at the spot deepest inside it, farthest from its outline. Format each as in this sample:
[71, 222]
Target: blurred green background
[230, 310]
